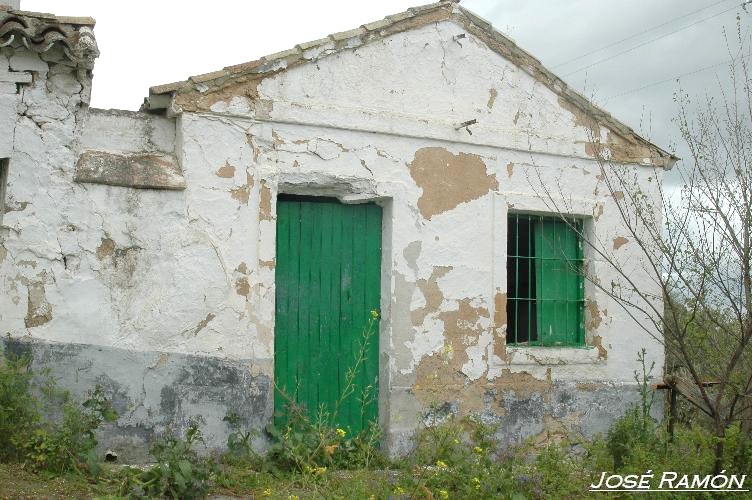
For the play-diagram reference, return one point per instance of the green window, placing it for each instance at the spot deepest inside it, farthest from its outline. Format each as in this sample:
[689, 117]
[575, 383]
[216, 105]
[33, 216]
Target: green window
[545, 292]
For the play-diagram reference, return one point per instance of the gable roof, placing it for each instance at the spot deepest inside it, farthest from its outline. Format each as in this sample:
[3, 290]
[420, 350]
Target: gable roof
[630, 145]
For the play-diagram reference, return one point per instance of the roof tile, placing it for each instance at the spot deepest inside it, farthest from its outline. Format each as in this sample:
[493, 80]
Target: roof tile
[476, 19]
[401, 16]
[39, 32]
[166, 87]
[313, 43]
[377, 25]
[423, 8]
[346, 35]
[284, 54]
[246, 66]
[209, 76]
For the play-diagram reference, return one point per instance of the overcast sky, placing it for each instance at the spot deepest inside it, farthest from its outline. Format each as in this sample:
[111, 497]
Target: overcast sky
[148, 43]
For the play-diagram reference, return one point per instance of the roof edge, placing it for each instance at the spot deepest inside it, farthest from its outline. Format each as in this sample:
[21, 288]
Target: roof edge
[586, 113]
[40, 32]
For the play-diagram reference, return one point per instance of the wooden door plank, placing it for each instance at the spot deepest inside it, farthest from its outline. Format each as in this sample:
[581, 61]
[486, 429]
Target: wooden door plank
[373, 296]
[327, 325]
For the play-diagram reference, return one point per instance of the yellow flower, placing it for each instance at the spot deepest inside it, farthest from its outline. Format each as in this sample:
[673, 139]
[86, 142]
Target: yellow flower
[375, 314]
[478, 450]
[398, 491]
[441, 464]
[476, 483]
[341, 432]
[319, 470]
[443, 494]
[267, 492]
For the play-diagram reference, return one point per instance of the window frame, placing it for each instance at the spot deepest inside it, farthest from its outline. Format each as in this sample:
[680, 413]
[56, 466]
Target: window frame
[573, 299]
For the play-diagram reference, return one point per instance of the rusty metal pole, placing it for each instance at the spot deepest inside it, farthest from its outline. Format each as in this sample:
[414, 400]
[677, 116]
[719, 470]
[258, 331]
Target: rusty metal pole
[671, 412]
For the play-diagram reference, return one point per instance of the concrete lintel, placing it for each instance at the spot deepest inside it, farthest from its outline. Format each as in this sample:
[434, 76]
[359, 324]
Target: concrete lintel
[142, 170]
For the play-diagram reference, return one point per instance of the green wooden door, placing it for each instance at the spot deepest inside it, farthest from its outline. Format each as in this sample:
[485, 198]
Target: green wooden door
[558, 283]
[328, 281]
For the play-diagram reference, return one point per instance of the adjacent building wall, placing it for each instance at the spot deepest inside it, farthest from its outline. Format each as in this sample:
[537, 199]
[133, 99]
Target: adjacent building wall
[164, 293]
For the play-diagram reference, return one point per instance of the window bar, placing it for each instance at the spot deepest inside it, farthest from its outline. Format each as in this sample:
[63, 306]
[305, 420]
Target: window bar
[567, 294]
[578, 272]
[3, 182]
[516, 277]
[530, 263]
[581, 287]
[555, 249]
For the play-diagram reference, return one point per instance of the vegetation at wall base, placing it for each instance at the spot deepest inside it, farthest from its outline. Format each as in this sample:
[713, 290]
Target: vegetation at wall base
[563, 470]
[54, 433]
[47, 443]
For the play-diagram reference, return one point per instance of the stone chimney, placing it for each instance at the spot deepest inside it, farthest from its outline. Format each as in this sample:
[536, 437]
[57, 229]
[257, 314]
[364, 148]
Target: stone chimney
[13, 4]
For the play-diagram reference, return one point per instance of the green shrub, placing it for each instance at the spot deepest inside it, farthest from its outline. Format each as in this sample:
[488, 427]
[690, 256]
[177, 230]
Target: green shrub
[636, 429]
[458, 458]
[239, 443]
[60, 444]
[178, 472]
[69, 445]
[19, 410]
[307, 445]
[628, 436]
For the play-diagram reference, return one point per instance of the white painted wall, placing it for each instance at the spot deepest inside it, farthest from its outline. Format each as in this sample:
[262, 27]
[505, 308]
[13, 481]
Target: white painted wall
[192, 271]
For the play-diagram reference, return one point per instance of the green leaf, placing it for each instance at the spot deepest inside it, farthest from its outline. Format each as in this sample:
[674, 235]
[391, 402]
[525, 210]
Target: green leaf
[185, 467]
[180, 481]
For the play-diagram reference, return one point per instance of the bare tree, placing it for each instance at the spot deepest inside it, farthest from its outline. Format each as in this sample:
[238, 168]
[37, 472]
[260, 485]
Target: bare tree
[697, 245]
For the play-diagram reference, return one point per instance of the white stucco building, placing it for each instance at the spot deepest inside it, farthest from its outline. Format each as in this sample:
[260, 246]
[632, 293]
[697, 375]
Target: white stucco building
[259, 213]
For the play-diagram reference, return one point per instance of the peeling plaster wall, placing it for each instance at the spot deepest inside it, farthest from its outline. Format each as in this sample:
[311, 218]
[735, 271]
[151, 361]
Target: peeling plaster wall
[126, 288]
[380, 122]
[144, 277]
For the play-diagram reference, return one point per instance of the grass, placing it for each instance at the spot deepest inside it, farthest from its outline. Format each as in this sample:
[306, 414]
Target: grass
[16, 482]
[552, 473]
[330, 484]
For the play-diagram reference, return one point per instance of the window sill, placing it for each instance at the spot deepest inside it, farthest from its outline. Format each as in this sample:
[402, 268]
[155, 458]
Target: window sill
[551, 356]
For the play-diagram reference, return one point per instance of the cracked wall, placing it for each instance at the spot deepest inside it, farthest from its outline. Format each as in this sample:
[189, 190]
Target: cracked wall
[182, 267]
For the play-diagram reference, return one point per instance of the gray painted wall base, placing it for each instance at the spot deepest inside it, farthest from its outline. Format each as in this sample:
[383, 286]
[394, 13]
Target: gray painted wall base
[562, 410]
[155, 392]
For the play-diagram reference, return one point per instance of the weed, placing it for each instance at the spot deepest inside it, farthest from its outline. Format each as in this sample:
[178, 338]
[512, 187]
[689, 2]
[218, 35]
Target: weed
[310, 444]
[178, 472]
[457, 458]
[240, 442]
[70, 445]
[19, 410]
[63, 445]
[636, 428]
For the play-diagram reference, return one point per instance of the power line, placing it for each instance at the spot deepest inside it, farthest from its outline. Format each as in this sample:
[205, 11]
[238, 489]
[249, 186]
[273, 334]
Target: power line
[653, 40]
[672, 79]
[637, 34]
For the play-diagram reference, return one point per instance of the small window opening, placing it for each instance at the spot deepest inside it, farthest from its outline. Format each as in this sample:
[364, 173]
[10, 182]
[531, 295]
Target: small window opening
[545, 289]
